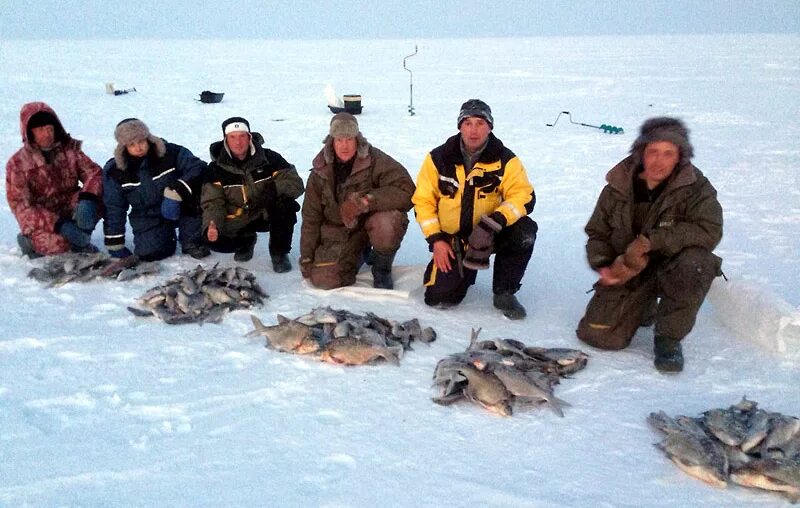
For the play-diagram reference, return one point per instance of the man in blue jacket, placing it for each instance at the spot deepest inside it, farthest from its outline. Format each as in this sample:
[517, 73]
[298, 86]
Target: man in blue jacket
[157, 184]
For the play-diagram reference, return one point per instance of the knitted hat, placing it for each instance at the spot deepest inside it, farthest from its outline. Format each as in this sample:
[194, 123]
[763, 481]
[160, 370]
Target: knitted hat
[343, 125]
[476, 107]
[663, 128]
[235, 124]
[131, 130]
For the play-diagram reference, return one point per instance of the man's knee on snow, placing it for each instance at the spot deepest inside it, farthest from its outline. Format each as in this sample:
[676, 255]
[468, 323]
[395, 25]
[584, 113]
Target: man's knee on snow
[331, 276]
[386, 230]
[602, 336]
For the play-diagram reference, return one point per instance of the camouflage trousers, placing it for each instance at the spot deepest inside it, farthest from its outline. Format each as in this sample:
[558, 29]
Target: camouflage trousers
[343, 253]
[673, 288]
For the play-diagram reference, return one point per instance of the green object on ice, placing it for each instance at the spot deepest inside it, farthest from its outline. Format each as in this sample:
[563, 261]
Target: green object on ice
[608, 129]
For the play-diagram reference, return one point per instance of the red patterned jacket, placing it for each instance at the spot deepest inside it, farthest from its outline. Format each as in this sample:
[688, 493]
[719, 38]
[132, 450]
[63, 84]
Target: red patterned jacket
[41, 192]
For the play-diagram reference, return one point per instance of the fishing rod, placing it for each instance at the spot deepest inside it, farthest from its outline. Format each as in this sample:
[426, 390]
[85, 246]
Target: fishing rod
[608, 129]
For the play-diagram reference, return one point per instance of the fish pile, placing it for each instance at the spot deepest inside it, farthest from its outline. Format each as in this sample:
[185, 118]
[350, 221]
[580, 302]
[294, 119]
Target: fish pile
[201, 295]
[343, 337]
[83, 267]
[496, 373]
[747, 445]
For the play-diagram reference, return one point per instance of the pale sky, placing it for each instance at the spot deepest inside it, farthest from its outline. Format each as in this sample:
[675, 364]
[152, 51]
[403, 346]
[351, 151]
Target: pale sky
[301, 19]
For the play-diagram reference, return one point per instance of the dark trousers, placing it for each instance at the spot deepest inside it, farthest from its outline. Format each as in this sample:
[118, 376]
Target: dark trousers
[678, 284]
[160, 242]
[280, 223]
[513, 248]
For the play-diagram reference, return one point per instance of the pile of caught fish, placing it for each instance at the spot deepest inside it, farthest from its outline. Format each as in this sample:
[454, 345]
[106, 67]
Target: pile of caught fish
[743, 443]
[83, 267]
[498, 372]
[201, 295]
[343, 337]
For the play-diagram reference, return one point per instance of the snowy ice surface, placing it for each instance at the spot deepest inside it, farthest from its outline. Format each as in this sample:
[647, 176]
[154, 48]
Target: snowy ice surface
[101, 408]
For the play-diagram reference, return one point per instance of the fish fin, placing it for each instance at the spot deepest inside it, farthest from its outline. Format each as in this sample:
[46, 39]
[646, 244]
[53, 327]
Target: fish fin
[140, 312]
[473, 337]
[259, 326]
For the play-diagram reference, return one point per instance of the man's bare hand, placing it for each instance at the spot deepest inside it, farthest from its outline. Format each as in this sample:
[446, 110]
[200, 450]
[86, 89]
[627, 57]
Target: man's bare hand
[213, 232]
[442, 254]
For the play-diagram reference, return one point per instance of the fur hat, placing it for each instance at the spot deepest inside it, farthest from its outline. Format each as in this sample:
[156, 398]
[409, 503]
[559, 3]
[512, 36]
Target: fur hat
[343, 125]
[129, 131]
[476, 107]
[663, 128]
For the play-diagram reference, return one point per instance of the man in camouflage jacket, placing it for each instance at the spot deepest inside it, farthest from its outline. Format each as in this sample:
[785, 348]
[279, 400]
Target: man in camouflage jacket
[54, 189]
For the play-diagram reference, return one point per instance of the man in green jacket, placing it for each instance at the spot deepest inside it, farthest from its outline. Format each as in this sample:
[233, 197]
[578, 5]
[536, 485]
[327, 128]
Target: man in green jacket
[249, 188]
[651, 238]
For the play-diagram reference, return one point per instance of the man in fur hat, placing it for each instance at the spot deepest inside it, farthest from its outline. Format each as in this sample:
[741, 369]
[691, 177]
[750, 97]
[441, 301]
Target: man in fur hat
[156, 185]
[249, 189]
[356, 197]
[651, 238]
[473, 200]
[53, 188]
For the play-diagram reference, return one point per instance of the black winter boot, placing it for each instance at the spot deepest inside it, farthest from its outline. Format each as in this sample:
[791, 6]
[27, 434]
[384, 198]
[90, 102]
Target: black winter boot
[26, 246]
[669, 355]
[196, 251]
[244, 249]
[280, 263]
[510, 306]
[382, 270]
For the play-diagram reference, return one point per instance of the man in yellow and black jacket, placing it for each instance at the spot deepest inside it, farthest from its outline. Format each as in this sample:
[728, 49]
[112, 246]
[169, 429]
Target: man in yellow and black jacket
[473, 199]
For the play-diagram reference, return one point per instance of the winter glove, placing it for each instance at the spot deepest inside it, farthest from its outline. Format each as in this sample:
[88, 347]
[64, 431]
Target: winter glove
[354, 205]
[477, 259]
[119, 252]
[76, 236]
[482, 236]
[617, 273]
[481, 243]
[635, 256]
[305, 267]
[171, 204]
[85, 215]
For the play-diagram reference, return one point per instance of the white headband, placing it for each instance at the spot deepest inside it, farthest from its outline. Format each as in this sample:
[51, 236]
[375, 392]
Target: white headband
[236, 127]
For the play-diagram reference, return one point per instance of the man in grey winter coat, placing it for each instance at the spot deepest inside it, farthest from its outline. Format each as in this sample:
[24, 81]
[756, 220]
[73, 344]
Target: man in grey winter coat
[651, 238]
[356, 197]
